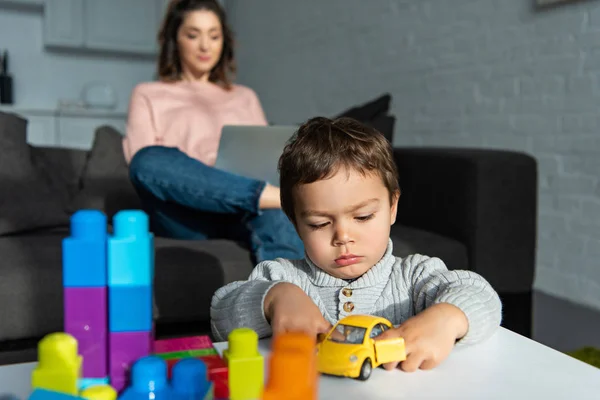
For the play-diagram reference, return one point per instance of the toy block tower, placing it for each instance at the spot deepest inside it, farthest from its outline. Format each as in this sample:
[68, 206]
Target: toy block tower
[130, 260]
[85, 292]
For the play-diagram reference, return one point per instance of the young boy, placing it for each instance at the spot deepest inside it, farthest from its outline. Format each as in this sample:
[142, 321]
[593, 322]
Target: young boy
[339, 187]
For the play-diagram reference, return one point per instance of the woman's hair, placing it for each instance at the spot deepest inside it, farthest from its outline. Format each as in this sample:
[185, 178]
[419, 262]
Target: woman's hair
[322, 146]
[169, 60]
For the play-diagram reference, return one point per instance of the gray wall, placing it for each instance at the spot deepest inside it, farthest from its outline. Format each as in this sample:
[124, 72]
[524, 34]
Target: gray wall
[483, 73]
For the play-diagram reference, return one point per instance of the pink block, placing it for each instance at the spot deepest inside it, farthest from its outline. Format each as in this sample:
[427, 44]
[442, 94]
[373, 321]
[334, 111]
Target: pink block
[125, 349]
[181, 344]
[86, 319]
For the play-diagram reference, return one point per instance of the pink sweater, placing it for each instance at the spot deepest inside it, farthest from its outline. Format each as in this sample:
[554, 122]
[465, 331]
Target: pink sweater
[187, 115]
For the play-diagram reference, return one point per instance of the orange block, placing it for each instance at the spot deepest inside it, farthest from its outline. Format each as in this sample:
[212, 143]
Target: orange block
[292, 368]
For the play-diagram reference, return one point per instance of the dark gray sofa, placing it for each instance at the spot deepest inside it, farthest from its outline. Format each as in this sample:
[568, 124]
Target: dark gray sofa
[475, 209]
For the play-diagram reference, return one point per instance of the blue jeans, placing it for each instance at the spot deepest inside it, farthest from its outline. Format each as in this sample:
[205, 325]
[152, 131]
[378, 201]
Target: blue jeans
[187, 199]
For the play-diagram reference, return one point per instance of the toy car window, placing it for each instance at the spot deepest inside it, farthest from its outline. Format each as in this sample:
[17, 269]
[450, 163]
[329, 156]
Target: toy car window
[348, 334]
[376, 331]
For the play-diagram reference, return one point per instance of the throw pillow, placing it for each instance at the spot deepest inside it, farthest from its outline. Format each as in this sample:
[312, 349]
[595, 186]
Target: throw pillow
[374, 114]
[105, 183]
[27, 200]
[370, 110]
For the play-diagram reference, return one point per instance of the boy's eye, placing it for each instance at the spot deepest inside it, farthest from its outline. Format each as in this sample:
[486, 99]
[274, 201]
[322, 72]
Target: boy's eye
[365, 217]
[318, 226]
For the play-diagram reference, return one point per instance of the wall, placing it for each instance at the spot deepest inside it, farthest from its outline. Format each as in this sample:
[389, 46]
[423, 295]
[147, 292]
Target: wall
[42, 78]
[482, 73]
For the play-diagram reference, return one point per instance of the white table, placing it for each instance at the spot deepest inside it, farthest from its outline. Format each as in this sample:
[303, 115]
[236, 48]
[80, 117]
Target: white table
[507, 366]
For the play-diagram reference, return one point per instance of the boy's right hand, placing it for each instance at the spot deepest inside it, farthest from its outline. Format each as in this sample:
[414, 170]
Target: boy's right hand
[289, 309]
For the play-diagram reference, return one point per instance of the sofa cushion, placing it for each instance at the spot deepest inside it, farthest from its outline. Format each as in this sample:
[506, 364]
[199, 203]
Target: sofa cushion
[408, 240]
[27, 199]
[62, 168]
[105, 183]
[187, 274]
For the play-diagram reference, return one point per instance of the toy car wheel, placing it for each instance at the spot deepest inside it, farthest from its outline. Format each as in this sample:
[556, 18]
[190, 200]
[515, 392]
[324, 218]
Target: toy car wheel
[365, 370]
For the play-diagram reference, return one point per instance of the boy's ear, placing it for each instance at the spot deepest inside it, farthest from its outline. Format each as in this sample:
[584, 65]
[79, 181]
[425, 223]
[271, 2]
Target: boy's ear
[394, 209]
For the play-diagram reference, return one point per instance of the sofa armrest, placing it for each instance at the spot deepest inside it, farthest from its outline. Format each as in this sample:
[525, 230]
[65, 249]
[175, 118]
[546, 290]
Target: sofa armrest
[487, 199]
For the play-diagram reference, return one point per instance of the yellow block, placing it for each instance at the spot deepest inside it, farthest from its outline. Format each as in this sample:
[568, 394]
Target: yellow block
[100, 392]
[59, 365]
[245, 364]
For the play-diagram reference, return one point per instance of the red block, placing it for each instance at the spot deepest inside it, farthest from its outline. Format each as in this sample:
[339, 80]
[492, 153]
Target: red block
[218, 374]
[181, 344]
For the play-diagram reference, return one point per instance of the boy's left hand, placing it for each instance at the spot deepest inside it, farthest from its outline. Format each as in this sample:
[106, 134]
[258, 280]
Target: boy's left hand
[428, 336]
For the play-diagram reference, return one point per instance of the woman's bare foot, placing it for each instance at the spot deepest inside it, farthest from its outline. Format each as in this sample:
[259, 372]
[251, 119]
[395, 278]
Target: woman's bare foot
[269, 197]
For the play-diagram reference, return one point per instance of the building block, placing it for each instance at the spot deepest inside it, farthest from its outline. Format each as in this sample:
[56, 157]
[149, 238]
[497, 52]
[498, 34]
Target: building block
[293, 371]
[148, 380]
[59, 365]
[124, 349]
[85, 319]
[130, 250]
[245, 365]
[190, 380]
[99, 392]
[130, 308]
[44, 394]
[84, 251]
[201, 348]
[85, 383]
[188, 354]
[217, 373]
[181, 344]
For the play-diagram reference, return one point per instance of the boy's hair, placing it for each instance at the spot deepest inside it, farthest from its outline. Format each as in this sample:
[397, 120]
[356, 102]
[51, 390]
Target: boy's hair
[321, 146]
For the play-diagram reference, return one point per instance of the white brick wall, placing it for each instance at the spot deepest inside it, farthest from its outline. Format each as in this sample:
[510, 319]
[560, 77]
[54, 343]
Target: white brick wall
[482, 73]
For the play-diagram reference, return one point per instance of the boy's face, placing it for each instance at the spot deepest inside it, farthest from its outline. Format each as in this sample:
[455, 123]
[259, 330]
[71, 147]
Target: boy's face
[344, 221]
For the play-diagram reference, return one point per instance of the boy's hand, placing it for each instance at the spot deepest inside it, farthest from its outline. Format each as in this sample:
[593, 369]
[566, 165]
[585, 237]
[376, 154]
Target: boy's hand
[428, 336]
[289, 309]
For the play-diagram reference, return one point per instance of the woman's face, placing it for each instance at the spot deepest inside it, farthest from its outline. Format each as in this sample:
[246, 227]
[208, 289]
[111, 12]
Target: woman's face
[200, 43]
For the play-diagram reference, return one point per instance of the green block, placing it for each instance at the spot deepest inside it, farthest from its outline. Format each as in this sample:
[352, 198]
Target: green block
[188, 354]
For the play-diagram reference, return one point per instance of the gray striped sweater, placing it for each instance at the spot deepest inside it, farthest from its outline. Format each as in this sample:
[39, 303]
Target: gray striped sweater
[394, 288]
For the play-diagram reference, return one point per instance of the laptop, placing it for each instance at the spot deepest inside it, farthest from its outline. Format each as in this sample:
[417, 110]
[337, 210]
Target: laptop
[253, 151]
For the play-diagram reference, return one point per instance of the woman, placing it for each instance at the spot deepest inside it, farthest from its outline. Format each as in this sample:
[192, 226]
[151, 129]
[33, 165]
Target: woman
[173, 133]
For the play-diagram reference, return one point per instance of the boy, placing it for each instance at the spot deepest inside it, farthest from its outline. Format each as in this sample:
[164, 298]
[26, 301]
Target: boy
[339, 187]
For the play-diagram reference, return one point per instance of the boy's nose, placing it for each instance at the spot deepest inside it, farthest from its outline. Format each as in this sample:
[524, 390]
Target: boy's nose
[342, 236]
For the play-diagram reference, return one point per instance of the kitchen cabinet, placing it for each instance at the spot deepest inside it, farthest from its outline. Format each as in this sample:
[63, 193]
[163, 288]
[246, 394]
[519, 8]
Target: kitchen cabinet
[125, 26]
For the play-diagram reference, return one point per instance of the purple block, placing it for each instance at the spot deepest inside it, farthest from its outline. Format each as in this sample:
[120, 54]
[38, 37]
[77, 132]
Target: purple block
[87, 320]
[125, 349]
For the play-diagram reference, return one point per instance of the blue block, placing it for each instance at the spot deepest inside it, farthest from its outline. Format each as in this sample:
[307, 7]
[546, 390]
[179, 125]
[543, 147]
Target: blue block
[84, 251]
[43, 394]
[129, 308]
[189, 380]
[84, 383]
[148, 380]
[131, 250]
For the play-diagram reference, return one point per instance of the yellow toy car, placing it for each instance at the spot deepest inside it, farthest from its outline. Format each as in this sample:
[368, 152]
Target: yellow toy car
[350, 350]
